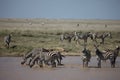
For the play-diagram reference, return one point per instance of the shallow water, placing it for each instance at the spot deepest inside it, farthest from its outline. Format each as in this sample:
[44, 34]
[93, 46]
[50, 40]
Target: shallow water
[11, 69]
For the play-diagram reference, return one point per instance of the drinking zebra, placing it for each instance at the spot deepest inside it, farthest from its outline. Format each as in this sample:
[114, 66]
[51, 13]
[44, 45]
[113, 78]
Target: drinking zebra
[47, 58]
[35, 56]
[30, 55]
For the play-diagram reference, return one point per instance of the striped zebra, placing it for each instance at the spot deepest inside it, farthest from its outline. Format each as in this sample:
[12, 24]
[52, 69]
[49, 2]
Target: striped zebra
[86, 56]
[7, 40]
[47, 58]
[30, 55]
[82, 36]
[102, 36]
[105, 55]
[66, 36]
[114, 53]
[59, 58]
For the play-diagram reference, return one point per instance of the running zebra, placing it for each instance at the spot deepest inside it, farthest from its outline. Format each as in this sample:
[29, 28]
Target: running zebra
[7, 40]
[105, 55]
[86, 56]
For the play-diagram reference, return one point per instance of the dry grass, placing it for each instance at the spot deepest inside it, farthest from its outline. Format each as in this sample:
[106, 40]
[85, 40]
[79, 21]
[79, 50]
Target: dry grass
[34, 33]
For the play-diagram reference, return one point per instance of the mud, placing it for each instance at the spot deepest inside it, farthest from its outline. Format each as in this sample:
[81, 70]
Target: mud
[11, 69]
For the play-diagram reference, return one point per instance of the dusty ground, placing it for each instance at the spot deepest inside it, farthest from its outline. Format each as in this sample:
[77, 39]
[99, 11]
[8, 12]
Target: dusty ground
[10, 69]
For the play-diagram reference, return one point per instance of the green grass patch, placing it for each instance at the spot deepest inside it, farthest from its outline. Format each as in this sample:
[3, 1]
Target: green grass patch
[25, 40]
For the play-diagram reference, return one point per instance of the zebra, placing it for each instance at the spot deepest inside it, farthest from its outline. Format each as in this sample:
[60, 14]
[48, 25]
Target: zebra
[83, 36]
[102, 36]
[31, 55]
[66, 36]
[86, 56]
[59, 58]
[114, 53]
[7, 40]
[93, 36]
[109, 54]
[46, 58]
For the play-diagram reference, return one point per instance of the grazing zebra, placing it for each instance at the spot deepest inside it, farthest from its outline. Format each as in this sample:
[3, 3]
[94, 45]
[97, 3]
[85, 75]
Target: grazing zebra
[83, 36]
[66, 36]
[102, 36]
[86, 56]
[7, 40]
[109, 54]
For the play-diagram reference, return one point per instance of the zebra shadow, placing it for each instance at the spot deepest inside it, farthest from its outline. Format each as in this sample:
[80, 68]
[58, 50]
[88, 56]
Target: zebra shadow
[117, 66]
[92, 67]
[13, 46]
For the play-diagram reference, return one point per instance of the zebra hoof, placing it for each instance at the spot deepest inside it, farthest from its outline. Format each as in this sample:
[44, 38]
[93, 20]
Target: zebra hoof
[31, 66]
[60, 64]
[22, 62]
[41, 66]
[54, 65]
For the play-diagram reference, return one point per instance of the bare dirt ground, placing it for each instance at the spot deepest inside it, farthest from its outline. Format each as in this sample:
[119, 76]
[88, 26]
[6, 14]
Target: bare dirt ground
[11, 69]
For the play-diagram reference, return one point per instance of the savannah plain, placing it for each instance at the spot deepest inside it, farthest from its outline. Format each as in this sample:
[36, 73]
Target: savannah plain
[45, 33]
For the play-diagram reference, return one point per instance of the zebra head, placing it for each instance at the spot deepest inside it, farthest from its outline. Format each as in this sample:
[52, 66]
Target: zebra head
[108, 34]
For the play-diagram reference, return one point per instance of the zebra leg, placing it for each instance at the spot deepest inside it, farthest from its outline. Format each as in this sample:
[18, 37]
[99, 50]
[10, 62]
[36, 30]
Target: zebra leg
[59, 62]
[99, 63]
[53, 63]
[113, 63]
[32, 64]
[78, 41]
[69, 40]
[83, 64]
[85, 41]
[86, 64]
[41, 63]
[23, 62]
[102, 41]
[8, 45]
[30, 61]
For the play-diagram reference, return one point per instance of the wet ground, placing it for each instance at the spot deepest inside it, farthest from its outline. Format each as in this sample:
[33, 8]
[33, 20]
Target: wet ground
[11, 69]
